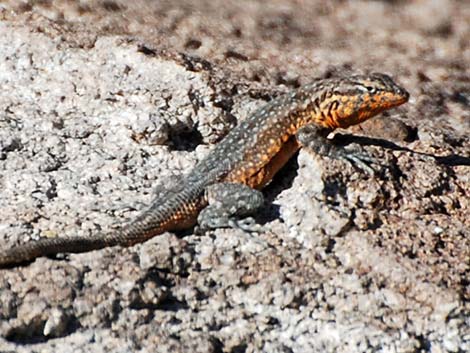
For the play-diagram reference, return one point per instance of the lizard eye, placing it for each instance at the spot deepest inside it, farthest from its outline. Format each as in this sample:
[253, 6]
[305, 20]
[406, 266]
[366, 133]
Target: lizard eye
[370, 89]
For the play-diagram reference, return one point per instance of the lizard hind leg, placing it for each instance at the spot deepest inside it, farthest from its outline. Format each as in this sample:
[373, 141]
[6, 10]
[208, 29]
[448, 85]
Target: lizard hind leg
[230, 206]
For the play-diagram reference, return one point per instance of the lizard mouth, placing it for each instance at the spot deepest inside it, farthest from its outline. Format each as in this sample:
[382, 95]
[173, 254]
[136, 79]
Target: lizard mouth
[401, 96]
[393, 99]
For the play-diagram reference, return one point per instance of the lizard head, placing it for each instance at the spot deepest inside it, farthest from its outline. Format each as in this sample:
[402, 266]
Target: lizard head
[361, 97]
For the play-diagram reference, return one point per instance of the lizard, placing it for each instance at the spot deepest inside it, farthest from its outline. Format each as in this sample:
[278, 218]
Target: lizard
[224, 188]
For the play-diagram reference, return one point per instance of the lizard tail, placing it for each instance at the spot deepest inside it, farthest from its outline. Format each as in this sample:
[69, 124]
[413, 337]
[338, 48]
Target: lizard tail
[140, 230]
[178, 212]
[50, 246]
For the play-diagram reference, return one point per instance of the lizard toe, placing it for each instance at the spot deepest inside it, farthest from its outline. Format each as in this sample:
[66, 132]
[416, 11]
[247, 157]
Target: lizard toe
[247, 224]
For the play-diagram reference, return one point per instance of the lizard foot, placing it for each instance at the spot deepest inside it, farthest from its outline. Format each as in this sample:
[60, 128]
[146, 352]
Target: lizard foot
[230, 206]
[247, 224]
[209, 221]
[314, 138]
[357, 158]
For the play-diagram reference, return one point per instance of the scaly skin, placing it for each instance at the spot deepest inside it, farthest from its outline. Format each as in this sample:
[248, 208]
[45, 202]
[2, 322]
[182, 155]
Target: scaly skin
[250, 154]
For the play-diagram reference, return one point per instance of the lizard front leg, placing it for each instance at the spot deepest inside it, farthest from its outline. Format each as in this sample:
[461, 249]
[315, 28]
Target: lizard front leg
[230, 205]
[315, 138]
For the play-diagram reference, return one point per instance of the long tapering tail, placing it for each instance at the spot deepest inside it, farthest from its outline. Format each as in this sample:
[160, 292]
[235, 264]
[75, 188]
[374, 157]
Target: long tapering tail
[177, 212]
[27, 252]
[141, 229]
[144, 227]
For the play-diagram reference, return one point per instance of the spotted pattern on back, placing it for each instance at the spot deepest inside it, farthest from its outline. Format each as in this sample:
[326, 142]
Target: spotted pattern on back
[329, 103]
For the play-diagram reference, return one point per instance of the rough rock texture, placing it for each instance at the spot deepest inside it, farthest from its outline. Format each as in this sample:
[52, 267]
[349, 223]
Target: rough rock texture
[102, 101]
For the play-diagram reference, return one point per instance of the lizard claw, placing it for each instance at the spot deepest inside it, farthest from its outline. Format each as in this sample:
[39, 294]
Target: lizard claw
[361, 162]
[359, 159]
[247, 224]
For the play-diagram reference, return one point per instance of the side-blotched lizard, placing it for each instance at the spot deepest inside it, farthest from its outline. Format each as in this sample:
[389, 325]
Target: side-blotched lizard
[224, 187]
